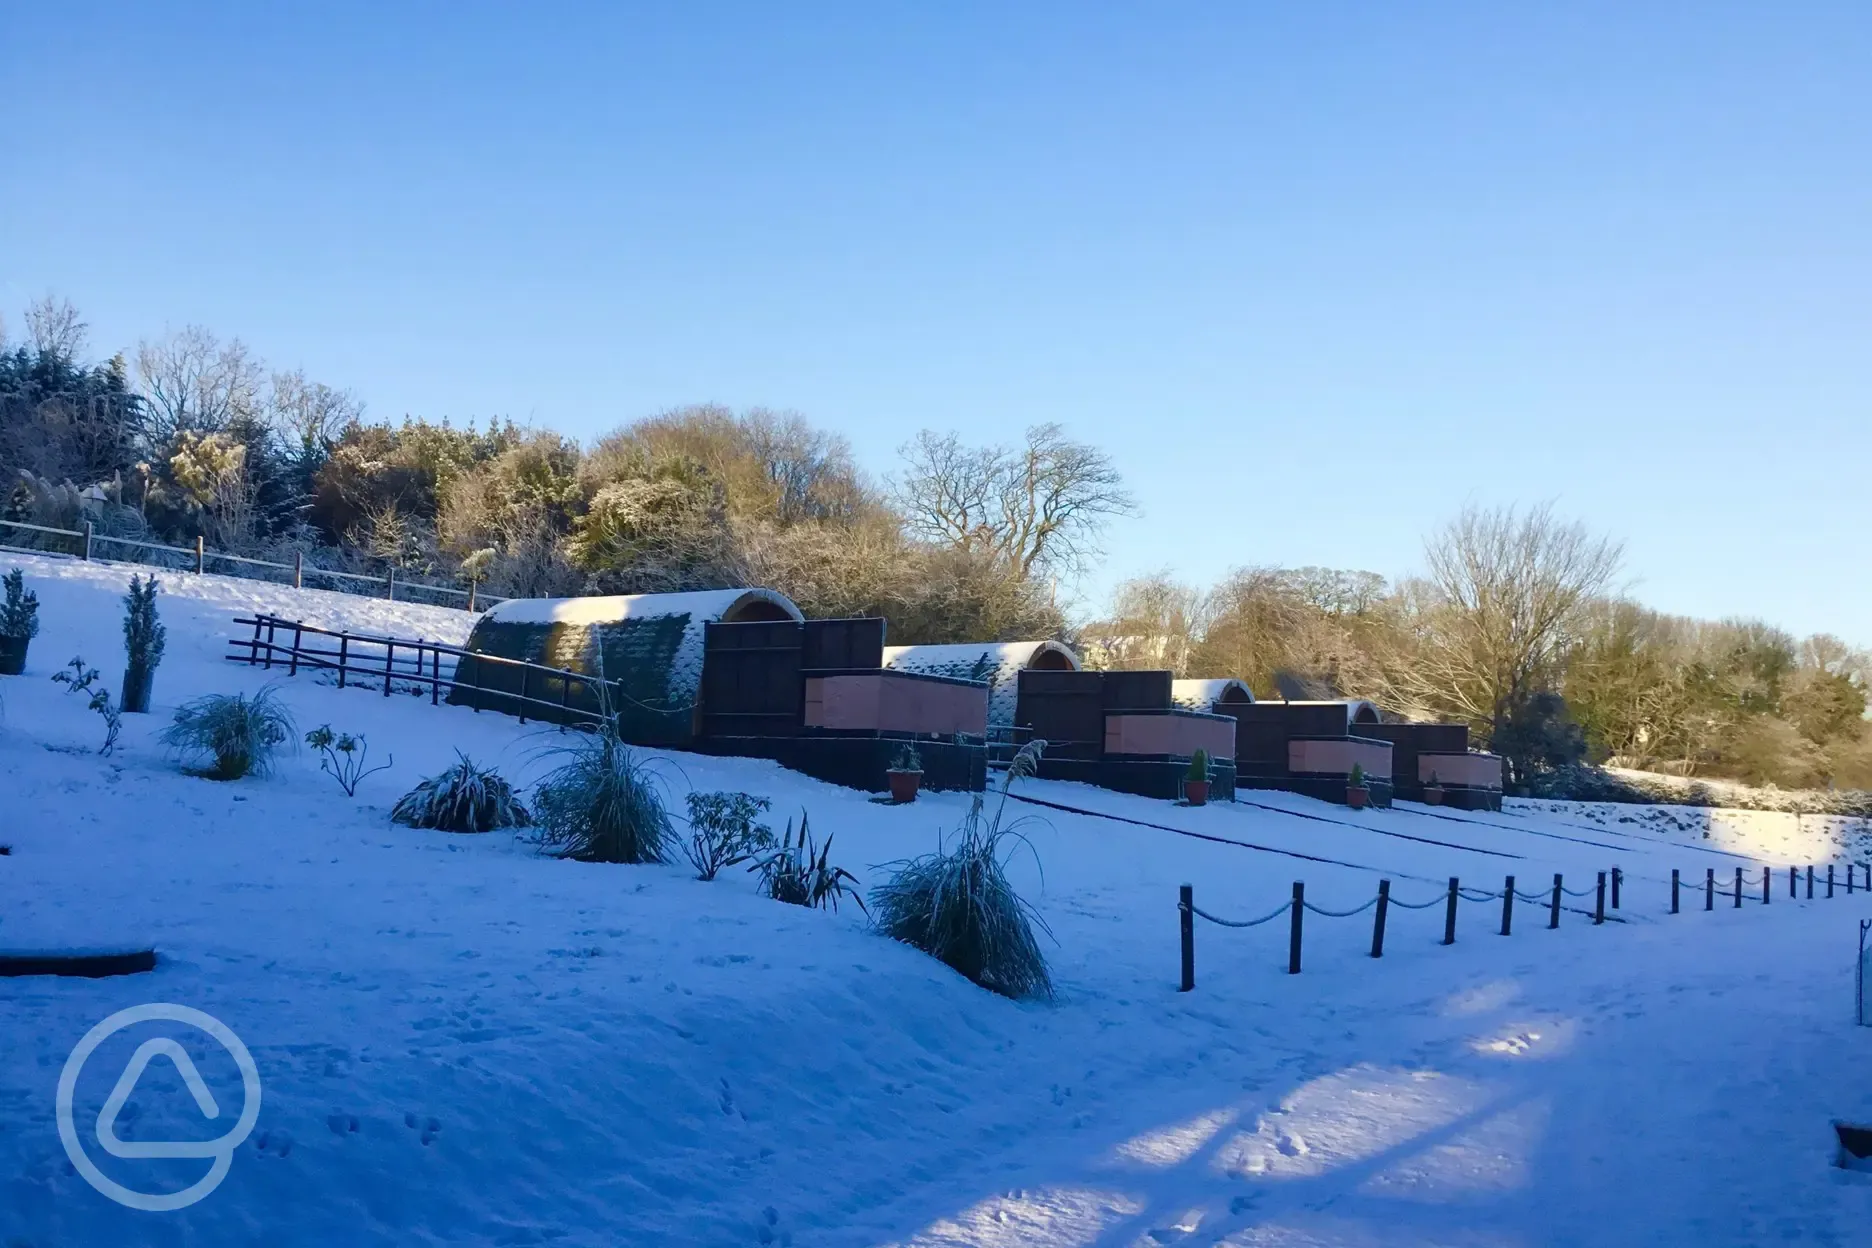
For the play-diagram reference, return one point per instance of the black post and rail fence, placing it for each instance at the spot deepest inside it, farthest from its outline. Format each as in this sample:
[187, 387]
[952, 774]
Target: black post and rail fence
[87, 544]
[1608, 887]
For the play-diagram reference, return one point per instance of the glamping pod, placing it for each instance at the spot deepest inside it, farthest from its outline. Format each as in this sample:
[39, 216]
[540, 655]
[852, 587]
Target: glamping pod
[1470, 779]
[731, 671]
[1000, 663]
[1202, 695]
[1123, 731]
[647, 647]
[1309, 747]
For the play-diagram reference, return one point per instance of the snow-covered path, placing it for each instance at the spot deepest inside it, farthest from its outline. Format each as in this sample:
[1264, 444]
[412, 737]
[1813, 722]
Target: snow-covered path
[464, 1043]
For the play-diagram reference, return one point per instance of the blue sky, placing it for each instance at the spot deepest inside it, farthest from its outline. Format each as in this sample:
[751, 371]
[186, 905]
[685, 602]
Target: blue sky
[1315, 274]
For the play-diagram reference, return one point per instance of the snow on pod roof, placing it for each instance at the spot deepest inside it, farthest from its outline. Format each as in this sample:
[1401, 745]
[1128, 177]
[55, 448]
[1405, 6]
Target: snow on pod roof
[1358, 710]
[701, 605]
[998, 662]
[1201, 695]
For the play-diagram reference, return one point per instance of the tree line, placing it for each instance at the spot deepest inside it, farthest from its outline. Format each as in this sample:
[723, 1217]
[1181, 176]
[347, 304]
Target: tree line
[1517, 626]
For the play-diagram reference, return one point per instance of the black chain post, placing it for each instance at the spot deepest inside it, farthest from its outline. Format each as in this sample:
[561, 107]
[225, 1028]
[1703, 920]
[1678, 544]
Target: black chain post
[1794, 883]
[1377, 931]
[1673, 890]
[1507, 905]
[1767, 884]
[1738, 892]
[1618, 878]
[1829, 881]
[1449, 913]
[1553, 917]
[1186, 918]
[1293, 936]
[1810, 882]
[1709, 889]
[1599, 909]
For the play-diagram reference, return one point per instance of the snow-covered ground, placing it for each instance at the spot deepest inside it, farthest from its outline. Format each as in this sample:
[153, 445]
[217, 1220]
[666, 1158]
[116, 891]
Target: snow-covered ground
[463, 1042]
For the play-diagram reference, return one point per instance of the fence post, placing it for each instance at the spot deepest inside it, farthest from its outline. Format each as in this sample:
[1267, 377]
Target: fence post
[1599, 909]
[1449, 913]
[1829, 881]
[1553, 917]
[1738, 892]
[390, 583]
[298, 569]
[298, 636]
[1186, 919]
[1767, 884]
[1293, 935]
[87, 542]
[1618, 878]
[435, 675]
[471, 594]
[271, 624]
[1673, 890]
[1377, 931]
[344, 652]
[1507, 905]
[1810, 882]
[389, 665]
[201, 556]
[1709, 889]
[524, 673]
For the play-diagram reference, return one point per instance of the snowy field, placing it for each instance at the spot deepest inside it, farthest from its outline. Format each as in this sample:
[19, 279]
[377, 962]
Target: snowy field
[463, 1042]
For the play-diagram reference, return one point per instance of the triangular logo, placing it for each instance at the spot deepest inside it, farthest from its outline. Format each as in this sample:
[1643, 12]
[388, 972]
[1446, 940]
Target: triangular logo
[126, 1084]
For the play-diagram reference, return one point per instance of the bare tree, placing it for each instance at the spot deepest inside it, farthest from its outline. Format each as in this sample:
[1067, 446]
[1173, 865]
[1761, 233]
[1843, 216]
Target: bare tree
[194, 382]
[1039, 505]
[53, 327]
[1156, 621]
[309, 415]
[1507, 594]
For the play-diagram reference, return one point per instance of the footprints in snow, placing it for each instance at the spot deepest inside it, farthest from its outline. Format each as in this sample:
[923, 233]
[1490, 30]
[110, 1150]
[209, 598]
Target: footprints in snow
[344, 1124]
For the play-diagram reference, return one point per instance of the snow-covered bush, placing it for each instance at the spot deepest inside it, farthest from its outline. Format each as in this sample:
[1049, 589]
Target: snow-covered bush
[227, 736]
[343, 757]
[19, 611]
[77, 678]
[723, 831]
[602, 804]
[465, 798]
[957, 905]
[798, 872]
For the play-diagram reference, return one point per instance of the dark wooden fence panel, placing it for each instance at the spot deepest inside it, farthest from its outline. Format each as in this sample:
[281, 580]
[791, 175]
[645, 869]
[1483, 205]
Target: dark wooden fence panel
[842, 644]
[1066, 709]
[751, 681]
[1136, 691]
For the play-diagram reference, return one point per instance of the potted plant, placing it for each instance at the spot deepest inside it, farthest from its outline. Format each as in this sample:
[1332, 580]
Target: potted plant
[1196, 781]
[1433, 791]
[143, 644]
[19, 622]
[1357, 792]
[906, 774]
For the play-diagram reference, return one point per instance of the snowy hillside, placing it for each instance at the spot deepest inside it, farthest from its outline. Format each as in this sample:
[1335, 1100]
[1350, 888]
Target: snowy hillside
[463, 1042]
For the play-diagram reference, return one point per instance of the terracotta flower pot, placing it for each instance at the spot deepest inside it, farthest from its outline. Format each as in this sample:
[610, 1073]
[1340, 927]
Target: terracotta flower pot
[1196, 792]
[13, 654]
[1433, 795]
[904, 785]
[1357, 796]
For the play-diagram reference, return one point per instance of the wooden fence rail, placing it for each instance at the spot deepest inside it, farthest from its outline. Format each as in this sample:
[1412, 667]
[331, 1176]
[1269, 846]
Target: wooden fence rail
[84, 544]
[363, 658]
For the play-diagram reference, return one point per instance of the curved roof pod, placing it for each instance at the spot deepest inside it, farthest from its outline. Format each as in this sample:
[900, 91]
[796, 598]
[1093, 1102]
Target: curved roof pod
[650, 644]
[1000, 663]
[1201, 695]
[1358, 710]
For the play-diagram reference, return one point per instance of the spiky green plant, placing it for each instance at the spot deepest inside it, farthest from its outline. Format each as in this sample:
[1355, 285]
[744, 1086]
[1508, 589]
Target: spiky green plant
[603, 803]
[1199, 766]
[957, 904]
[226, 736]
[908, 759]
[799, 872]
[1357, 778]
[465, 798]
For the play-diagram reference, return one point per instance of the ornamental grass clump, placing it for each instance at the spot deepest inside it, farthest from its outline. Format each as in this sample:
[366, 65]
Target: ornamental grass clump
[465, 798]
[957, 905]
[226, 736]
[603, 803]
